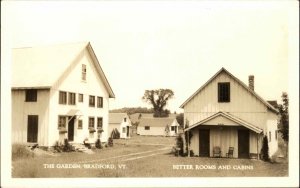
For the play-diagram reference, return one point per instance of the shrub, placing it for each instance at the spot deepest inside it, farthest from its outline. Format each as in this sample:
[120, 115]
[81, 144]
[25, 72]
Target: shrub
[110, 142]
[188, 135]
[115, 134]
[21, 151]
[98, 144]
[179, 144]
[265, 149]
[192, 153]
[57, 147]
[67, 147]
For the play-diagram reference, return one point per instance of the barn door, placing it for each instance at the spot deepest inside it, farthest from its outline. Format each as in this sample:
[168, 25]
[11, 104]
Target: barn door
[32, 128]
[204, 142]
[243, 143]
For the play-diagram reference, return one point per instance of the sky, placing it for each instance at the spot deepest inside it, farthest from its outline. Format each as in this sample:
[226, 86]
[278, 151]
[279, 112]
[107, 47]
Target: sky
[177, 45]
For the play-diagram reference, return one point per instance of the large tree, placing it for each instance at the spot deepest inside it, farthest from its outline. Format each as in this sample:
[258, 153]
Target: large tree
[284, 117]
[158, 99]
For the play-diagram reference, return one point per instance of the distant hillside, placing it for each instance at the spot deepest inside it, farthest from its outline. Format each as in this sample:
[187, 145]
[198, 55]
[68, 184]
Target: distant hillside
[133, 110]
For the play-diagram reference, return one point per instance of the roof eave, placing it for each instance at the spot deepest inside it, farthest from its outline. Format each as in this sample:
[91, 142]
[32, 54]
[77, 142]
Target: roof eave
[31, 87]
[102, 75]
[230, 117]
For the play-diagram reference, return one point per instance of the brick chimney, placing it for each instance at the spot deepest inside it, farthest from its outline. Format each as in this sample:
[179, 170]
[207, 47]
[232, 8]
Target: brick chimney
[251, 82]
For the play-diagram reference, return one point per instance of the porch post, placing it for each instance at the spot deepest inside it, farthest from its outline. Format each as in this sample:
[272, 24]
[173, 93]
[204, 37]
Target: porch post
[257, 146]
[188, 143]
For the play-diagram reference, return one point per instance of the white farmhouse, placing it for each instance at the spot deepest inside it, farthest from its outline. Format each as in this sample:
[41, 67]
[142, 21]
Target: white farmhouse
[226, 113]
[59, 92]
[121, 122]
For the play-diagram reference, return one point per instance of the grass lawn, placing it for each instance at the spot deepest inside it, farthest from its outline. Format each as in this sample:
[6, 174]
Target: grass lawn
[141, 157]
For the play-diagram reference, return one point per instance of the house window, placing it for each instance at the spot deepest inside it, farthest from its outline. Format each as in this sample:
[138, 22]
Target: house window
[62, 97]
[172, 128]
[31, 95]
[62, 121]
[92, 101]
[147, 127]
[80, 97]
[269, 136]
[32, 128]
[124, 130]
[79, 124]
[83, 72]
[99, 122]
[91, 122]
[72, 98]
[125, 119]
[100, 102]
[224, 92]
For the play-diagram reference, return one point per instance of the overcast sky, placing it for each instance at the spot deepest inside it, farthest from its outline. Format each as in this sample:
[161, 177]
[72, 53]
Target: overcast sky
[164, 44]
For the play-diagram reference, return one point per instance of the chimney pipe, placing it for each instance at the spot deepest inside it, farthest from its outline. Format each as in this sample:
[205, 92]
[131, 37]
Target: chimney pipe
[251, 82]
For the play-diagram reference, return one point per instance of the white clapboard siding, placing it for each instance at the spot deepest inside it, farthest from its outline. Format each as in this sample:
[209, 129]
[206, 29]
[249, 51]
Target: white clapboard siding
[242, 103]
[94, 86]
[21, 110]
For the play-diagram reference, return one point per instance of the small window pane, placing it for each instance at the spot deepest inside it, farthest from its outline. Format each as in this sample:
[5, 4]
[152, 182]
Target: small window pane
[92, 101]
[62, 97]
[79, 124]
[83, 72]
[72, 98]
[91, 122]
[99, 102]
[80, 97]
[31, 95]
[62, 121]
[99, 122]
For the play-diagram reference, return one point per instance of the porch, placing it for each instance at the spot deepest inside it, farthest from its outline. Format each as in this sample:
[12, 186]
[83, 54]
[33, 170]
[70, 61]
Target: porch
[214, 136]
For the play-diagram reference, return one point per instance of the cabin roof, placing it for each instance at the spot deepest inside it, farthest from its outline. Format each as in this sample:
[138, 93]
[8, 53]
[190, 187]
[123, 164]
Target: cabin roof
[117, 118]
[269, 106]
[135, 117]
[156, 122]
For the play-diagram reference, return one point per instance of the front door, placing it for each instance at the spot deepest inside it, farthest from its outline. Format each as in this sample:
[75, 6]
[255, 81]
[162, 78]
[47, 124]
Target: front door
[32, 128]
[204, 142]
[127, 131]
[243, 143]
[71, 129]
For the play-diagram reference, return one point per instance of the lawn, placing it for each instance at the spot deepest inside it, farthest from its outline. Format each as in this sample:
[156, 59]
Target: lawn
[141, 157]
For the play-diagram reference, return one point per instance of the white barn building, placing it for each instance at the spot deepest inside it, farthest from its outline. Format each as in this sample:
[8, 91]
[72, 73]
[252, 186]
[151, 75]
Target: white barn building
[224, 113]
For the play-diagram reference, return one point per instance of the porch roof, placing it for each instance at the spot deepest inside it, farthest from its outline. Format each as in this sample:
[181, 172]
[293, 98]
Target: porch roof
[74, 112]
[229, 117]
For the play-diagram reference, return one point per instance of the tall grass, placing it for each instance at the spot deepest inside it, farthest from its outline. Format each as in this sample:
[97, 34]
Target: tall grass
[20, 151]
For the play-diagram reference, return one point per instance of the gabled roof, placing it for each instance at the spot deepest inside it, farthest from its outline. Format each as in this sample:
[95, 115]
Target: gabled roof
[269, 106]
[230, 117]
[156, 122]
[43, 66]
[117, 118]
[135, 117]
